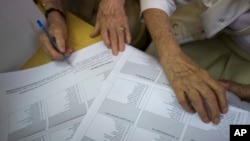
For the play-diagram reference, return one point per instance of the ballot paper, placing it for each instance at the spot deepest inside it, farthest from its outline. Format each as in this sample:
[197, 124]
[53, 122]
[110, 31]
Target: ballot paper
[102, 97]
[48, 102]
[136, 103]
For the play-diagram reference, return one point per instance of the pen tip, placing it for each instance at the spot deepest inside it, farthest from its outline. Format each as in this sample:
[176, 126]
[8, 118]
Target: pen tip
[69, 64]
[67, 61]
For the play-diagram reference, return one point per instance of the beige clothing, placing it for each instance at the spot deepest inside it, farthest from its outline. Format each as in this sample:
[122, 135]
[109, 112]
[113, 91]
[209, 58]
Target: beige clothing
[220, 56]
[198, 19]
[205, 20]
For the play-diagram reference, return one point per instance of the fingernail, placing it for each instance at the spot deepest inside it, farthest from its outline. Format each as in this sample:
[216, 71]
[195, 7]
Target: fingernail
[191, 111]
[206, 120]
[216, 121]
[224, 110]
[224, 85]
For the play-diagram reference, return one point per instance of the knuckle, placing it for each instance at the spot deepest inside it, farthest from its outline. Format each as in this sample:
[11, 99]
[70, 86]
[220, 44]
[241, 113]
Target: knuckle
[56, 30]
[182, 101]
[210, 98]
[205, 72]
[53, 55]
[221, 90]
[196, 103]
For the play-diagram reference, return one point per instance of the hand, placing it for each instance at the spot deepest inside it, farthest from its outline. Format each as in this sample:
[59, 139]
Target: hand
[241, 90]
[195, 89]
[112, 24]
[58, 30]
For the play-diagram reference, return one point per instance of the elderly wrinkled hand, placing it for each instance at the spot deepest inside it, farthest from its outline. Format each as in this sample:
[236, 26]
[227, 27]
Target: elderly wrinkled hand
[58, 30]
[112, 24]
[195, 89]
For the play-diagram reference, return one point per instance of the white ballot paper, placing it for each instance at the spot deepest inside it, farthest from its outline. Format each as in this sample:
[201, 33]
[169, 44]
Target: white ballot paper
[136, 103]
[47, 103]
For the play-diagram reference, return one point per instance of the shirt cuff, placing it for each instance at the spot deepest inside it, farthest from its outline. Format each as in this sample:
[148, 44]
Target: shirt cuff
[167, 6]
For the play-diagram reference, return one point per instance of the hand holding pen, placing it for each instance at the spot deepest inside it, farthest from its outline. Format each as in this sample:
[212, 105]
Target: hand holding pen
[53, 40]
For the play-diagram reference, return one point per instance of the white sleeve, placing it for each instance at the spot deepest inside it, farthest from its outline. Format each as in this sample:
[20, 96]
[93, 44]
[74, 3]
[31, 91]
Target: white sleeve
[167, 6]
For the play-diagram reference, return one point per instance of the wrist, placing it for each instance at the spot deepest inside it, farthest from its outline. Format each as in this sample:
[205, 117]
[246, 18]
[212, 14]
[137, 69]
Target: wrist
[52, 7]
[54, 11]
[55, 18]
[169, 53]
[120, 2]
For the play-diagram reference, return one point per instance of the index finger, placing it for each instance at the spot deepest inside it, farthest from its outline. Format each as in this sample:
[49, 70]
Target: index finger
[59, 38]
[48, 48]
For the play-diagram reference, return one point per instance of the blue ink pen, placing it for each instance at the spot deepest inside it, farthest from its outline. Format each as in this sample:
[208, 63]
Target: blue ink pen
[52, 41]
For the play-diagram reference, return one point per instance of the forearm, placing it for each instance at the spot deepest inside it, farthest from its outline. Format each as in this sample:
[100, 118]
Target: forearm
[158, 24]
[192, 85]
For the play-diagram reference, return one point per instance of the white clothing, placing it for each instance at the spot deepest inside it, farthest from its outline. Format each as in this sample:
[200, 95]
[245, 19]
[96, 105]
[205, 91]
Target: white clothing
[204, 18]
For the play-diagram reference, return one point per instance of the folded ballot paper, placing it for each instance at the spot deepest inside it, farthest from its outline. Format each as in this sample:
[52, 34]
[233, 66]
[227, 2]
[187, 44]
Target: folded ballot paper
[103, 98]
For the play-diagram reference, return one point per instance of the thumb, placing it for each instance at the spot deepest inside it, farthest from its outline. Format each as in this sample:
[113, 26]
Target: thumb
[225, 84]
